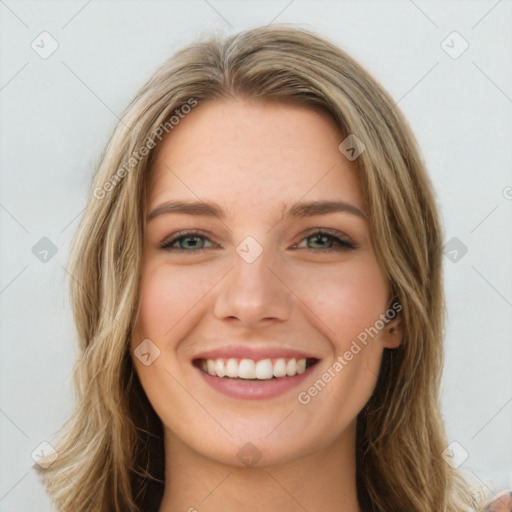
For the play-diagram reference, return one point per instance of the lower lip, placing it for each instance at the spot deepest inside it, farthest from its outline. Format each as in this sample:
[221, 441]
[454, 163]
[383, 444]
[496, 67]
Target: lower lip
[254, 390]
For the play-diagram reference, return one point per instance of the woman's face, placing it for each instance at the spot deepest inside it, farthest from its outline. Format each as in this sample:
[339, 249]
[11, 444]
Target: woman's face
[255, 292]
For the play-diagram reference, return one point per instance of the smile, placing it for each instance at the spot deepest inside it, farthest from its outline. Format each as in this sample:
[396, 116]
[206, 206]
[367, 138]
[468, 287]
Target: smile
[257, 378]
[248, 369]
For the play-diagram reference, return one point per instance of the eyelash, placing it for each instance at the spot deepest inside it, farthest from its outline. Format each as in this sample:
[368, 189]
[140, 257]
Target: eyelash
[331, 235]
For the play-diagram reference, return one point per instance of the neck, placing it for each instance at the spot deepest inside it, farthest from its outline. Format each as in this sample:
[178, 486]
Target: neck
[322, 480]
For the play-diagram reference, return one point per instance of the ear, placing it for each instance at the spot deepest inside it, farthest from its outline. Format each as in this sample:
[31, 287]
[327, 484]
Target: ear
[392, 334]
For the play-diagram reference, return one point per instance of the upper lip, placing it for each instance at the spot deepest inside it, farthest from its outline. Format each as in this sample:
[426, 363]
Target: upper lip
[254, 353]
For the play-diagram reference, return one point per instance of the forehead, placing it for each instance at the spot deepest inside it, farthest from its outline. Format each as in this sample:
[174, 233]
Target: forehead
[253, 155]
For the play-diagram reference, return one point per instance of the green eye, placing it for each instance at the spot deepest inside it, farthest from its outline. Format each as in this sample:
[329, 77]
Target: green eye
[193, 241]
[188, 241]
[325, 241]
[321, 240]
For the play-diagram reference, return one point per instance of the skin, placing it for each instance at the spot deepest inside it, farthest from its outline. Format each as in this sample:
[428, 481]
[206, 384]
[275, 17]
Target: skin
[254, 158]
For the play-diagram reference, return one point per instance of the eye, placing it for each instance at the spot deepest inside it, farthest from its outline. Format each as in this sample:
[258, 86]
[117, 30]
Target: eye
[194, 241]
[187, 241]
[327, 240]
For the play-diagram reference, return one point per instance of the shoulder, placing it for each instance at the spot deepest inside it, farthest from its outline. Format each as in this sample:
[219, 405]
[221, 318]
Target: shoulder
[502, 503]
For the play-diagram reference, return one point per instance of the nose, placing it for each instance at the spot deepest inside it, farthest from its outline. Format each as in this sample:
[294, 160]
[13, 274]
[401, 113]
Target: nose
[255, 293]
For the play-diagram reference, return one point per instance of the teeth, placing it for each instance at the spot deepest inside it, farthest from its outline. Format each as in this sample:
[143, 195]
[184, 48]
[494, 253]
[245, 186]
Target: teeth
[264, 369]
[291, 367]
[232, 368]
[280, 368]
[248, 369]
[211, 367]
[220, 367]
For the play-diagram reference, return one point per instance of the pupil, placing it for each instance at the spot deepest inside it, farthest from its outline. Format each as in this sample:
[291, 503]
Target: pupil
[319, 239]
[191, 241]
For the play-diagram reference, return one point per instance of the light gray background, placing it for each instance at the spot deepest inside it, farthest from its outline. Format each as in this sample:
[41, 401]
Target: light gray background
[57, 114]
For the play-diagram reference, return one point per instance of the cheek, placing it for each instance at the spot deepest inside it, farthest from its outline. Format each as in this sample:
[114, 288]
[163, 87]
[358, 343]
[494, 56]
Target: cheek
[347, 303]
[346, 300]
[168, 295]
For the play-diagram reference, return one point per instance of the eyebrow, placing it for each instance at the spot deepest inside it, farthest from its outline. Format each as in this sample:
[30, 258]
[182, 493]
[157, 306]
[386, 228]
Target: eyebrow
[297, 210]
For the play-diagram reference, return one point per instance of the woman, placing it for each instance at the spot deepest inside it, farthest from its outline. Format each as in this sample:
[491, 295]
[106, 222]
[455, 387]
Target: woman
[257, 286]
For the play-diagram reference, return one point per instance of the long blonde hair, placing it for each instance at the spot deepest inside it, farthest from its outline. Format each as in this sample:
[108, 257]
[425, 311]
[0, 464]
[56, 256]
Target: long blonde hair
[111, 448]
